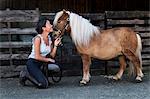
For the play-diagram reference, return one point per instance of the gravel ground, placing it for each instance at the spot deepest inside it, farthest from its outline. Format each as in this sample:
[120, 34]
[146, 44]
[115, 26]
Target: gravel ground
[69, 88]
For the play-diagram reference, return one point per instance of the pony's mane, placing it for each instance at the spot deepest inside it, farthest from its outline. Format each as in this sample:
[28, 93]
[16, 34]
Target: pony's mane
[81, 29]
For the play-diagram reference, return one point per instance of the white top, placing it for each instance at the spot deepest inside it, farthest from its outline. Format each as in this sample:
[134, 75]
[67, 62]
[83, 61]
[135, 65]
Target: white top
[44, 49]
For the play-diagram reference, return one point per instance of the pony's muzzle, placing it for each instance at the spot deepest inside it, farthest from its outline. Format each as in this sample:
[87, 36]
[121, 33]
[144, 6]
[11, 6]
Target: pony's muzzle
[56, 34]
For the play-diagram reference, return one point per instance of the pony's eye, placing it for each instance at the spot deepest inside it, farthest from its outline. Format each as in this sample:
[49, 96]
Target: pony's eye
[59, 21]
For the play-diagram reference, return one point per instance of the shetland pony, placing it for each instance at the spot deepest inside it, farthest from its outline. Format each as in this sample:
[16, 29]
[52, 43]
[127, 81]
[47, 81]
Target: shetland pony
[91, 41]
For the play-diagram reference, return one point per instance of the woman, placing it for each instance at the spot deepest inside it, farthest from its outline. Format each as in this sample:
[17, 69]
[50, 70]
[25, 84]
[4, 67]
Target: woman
[41, 47]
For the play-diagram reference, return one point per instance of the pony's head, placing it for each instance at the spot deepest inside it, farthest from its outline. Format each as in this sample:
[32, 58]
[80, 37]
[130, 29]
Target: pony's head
[81, 29]
[61, 21]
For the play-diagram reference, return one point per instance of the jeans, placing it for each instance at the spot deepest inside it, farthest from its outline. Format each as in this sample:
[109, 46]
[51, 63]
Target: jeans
[34, 69]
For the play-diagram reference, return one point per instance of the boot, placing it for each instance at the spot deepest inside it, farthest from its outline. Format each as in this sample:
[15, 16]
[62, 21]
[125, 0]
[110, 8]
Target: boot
[24, 76]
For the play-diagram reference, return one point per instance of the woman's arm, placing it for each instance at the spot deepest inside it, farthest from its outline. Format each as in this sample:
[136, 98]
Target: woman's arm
[37, 42]
[56, 43]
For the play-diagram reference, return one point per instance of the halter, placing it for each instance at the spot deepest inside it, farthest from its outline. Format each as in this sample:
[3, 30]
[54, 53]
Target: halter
[65, 26]
[61, 31]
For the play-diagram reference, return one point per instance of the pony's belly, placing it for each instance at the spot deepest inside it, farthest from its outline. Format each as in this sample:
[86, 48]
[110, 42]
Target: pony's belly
[106, 54]
[101, 53]
[105, 57]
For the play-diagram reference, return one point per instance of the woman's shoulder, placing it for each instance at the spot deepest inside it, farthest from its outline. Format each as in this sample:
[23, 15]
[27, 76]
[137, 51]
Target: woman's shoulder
[37, 38]
[38, 35]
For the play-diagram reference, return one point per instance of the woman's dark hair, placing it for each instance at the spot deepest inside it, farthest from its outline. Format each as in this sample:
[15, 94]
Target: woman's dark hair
[41, 23]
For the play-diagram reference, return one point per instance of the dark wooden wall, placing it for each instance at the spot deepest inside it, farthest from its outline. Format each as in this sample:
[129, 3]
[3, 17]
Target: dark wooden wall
[78, 6]
[17, 28]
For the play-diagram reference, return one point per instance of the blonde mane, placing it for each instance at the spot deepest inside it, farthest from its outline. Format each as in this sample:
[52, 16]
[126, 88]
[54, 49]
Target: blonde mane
[81, 29]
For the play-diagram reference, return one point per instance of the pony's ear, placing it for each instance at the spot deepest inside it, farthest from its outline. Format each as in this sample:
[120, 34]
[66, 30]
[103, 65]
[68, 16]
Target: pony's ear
[64, 10]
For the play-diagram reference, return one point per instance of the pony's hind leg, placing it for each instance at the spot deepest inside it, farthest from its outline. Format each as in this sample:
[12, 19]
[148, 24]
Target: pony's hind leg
[123, 64]
[136, 62]
[138, 53]
[86, 66]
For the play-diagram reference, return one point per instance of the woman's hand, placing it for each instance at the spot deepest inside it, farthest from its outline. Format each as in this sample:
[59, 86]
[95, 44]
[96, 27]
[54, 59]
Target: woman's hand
[57, 41]
[51, 60]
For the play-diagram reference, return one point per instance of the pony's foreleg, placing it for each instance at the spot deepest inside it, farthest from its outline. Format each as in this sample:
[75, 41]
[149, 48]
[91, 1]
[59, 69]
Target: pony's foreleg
[86, 66]
[122, 68]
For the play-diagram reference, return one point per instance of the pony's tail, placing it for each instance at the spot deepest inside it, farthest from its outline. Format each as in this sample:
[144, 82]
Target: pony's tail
[132, 69]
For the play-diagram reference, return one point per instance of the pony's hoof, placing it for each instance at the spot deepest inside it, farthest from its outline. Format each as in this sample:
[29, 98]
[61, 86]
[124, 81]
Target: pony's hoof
[142, 75]
[138, 79]
[83, 82]
[116, 78]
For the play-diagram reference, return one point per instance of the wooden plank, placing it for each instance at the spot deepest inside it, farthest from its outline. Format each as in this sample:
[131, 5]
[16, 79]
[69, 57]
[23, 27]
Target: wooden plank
[136, 28]
[146, 50]
[145, 56]
[145, 35]
[17, 31]
[127, 14]
[146, 62]
[49, 15]
[94, 16]
[116, 63]
[146, 42]
[19, 16]
[113, 63]
[134, 21]
[91, 16]
[15, 44]
[3, 25]
[5, 56]
[13, 56]
[19, 56]
[141, 29]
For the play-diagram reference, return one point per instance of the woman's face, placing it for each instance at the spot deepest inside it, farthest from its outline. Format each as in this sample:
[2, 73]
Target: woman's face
[48, 27]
